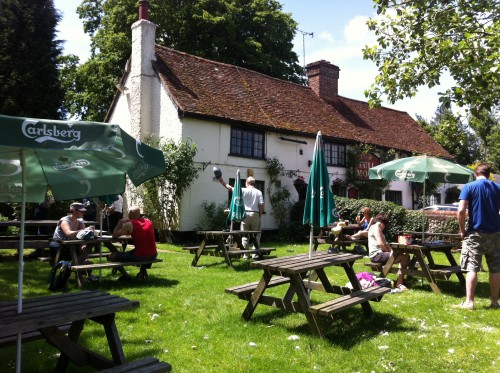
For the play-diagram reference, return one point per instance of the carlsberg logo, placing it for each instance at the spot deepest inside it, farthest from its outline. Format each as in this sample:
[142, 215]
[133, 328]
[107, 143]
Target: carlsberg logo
[42, 132]
[404, 174]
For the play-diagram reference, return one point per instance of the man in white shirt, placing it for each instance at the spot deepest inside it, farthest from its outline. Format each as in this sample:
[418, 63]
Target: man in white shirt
[254, 207]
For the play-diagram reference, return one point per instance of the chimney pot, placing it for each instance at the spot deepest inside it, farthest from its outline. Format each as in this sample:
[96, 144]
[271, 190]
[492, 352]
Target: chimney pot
[144, 10]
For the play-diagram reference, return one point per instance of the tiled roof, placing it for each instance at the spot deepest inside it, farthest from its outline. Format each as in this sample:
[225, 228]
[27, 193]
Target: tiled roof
[229, 93]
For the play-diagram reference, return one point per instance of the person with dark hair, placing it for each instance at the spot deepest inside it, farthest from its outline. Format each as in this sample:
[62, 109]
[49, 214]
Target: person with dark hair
[482, 237]
[380, 250]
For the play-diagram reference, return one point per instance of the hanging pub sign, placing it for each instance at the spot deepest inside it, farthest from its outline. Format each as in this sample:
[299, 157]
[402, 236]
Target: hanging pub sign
[366, 162]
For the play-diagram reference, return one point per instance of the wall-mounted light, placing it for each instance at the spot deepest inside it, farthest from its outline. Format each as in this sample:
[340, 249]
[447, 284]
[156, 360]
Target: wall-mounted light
[309, 163]
[301, 152]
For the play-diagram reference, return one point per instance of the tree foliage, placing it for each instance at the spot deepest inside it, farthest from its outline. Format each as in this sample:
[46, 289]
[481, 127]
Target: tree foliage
[420, 41]
[29, 52]
[254, 34]
[161, 195]
[487, 126]
[453, 135]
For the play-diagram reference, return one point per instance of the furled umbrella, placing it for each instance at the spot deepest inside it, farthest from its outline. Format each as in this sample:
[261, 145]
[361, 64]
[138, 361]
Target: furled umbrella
[319, 210]
[75, 159]
[420, 169]
[237, 208]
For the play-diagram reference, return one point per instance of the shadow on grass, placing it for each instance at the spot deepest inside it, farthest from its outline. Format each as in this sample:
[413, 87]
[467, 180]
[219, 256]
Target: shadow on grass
[346, 330]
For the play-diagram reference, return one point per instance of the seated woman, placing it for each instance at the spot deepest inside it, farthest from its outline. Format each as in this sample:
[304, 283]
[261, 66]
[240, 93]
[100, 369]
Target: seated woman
[364, 221]
[380, 250]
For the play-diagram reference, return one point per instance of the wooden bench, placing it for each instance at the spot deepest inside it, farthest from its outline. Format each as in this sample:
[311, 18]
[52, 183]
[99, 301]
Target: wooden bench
[29, 336]
[238, 252]
[28, 244]
[85, 267]
[331, 307]
[191, 249]
[146, 365]
[245, 291]
[378, 267]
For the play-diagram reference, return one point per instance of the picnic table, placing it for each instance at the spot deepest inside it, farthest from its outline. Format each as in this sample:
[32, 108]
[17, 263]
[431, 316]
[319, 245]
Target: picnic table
[422, 262]
[227, 245]
[340, 242]
[299, 273]
[48, 317]
[107, 241]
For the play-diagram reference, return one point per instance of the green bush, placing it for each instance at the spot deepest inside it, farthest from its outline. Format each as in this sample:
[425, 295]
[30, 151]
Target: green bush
[214, 217]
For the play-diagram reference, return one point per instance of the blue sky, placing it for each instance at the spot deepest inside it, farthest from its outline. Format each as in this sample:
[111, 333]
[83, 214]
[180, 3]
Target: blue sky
[339, 31]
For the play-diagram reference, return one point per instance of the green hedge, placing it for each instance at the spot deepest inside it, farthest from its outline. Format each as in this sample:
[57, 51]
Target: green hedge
[400, 219]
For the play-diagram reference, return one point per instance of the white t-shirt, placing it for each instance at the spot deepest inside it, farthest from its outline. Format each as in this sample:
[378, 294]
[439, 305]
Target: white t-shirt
[118, 204]
[252, 198]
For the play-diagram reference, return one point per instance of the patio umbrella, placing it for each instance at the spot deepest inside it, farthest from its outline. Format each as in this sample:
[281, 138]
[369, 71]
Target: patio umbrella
[75, 159]
[319, 209]
[422, 168]
[237, 208]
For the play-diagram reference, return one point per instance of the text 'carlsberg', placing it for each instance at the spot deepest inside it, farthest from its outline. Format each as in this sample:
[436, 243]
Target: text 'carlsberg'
[43, 132]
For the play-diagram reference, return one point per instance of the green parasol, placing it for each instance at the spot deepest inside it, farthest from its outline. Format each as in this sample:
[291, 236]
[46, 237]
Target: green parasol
[237, 208]
[319, 209]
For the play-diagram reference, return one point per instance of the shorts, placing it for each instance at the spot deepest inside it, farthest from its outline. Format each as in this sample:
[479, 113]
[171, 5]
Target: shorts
[477, 244]
[129, 256]
[381, 257]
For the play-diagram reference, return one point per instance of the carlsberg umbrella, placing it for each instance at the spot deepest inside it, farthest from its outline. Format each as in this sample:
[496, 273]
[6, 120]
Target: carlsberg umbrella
[237, 208]
[422, 168]
[319, 209]
[75, 159]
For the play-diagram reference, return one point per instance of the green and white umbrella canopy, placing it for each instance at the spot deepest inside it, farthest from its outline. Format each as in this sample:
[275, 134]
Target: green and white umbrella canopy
[319, 208]
[75, 159]
[422, 168]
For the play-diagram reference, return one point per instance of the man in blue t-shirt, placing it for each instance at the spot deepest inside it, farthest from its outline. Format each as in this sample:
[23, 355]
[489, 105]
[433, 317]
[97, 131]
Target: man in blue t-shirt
[482, 237]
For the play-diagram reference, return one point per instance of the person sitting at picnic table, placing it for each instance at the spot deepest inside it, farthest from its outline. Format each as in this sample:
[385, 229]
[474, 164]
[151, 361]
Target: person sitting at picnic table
[365, 221]
[142, 231]
[380, 250]
[67, 229]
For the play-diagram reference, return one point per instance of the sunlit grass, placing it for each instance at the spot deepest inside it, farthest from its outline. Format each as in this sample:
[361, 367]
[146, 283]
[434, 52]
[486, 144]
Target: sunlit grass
[187, 319]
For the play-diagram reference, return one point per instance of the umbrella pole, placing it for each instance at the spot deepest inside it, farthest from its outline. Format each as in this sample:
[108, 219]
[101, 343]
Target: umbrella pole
[425, 216]
[310, 257]
[21, 259]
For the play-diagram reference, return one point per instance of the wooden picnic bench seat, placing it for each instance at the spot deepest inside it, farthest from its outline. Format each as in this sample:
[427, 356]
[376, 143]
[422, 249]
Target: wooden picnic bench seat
[238, 252]
[378, 267]
[29, 336]
[331, 307]
[146, 365]
[245, 291]
[194, 248]
[85, 267]
[28, 244]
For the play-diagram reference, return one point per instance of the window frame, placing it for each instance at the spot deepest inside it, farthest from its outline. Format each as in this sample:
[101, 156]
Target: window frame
[330, 152]
[246, 144]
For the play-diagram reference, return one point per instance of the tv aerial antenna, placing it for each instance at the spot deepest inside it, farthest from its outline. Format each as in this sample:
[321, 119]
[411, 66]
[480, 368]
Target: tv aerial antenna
[304, 34]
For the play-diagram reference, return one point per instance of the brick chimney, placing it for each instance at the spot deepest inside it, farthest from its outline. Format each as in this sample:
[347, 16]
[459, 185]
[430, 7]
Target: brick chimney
[323, 78]
[144, 10]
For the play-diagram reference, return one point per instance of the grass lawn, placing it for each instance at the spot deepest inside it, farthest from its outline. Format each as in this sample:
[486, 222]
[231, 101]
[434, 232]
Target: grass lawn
[187, 320]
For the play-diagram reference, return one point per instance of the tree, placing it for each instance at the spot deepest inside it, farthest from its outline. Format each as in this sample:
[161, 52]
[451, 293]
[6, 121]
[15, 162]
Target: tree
[419, 41]
[453, 135]
[487, 127]
[29, 52]
[254, 34]
[161, 195]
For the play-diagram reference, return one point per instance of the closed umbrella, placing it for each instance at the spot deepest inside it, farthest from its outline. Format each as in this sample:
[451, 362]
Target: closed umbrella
[319, 209]
[75, 159]
[422, 168]
[237, 208]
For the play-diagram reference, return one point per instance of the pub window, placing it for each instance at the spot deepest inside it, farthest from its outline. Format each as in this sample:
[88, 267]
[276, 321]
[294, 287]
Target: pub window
[335, 154]
[394, 196]
[247, 143]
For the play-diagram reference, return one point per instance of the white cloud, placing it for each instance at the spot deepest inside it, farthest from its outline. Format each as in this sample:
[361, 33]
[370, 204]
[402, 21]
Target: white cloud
[356, 31]
[327, 36]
